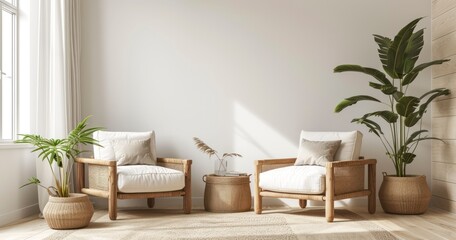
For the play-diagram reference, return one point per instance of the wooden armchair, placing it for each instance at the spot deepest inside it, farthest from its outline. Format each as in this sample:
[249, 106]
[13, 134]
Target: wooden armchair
[103, 179]
[341, 179]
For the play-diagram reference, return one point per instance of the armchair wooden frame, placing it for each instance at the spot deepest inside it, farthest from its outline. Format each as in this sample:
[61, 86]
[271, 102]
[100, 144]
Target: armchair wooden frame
[329, 196]
[110, 192]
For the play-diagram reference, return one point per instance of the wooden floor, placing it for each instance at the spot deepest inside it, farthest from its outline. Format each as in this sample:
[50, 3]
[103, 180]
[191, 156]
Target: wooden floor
[434, 224]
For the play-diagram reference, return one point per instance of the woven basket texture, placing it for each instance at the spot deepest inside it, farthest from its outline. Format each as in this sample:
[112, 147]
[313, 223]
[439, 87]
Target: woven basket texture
[404, 195]
[69, 212]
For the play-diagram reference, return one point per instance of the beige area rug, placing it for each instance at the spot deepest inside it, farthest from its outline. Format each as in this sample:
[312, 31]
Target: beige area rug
[170, 224]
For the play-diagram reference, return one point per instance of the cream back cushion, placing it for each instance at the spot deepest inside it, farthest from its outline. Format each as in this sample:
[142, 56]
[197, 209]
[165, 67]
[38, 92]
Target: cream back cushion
[112, 141]
[132, 152]
[350, 145]
[316, 152]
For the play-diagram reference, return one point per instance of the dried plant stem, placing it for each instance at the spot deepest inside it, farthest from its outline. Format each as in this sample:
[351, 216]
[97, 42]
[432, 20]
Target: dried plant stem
[212, 152]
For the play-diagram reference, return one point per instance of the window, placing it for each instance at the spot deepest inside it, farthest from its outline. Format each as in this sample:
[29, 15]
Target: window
[8, 76]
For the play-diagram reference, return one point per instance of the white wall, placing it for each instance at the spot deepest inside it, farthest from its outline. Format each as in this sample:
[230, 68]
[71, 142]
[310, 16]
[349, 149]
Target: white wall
[244, 76]
[17, 166]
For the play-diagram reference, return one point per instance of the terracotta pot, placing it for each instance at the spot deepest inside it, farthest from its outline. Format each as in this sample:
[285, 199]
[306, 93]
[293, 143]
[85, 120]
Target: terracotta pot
[68, 212]
[404, 195]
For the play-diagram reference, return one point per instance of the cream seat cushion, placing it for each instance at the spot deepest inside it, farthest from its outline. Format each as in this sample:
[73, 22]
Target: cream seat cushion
[307, 179]
[148, 178]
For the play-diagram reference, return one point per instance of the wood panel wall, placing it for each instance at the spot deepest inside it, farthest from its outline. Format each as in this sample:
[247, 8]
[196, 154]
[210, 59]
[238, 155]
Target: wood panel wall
[444, 109]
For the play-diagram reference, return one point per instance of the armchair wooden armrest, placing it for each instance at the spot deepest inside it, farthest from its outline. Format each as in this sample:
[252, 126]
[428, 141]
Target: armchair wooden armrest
[96, 161]
[174, 160]
[351, 163]
[275, 161]
[269, 164]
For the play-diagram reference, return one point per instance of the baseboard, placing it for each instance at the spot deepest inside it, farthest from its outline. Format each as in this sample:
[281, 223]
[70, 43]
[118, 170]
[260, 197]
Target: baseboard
[16, 215]
[444, 204]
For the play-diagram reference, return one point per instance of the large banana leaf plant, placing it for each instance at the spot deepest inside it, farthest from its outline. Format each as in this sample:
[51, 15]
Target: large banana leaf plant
[60, 153]
[403, 113]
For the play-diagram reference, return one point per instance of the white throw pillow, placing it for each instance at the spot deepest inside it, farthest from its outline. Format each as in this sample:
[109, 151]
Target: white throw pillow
[105, 138]
[316, 152]
[132, 152]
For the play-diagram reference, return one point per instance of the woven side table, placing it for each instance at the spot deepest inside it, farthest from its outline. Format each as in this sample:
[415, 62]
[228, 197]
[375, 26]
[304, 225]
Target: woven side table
[227, 193]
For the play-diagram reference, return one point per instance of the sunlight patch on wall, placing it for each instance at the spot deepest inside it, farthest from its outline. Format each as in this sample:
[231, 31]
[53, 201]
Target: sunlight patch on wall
[254, 138]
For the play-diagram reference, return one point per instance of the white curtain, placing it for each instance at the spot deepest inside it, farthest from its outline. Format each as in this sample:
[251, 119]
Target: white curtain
[57, 94]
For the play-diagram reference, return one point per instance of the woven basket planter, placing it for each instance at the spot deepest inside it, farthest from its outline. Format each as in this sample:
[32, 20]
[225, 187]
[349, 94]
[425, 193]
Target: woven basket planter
[404, 195]
[68, 212]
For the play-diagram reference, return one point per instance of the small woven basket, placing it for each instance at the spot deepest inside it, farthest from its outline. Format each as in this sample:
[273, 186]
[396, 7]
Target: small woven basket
[68, 212]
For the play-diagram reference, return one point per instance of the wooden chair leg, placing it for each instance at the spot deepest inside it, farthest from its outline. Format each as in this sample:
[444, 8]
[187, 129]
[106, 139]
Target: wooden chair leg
[302, 203]
[80, 177]
[151, 202]
[112, 208]
[258, 204]
[112, 199]
[329, 205]
[329, 211]
[188, 189]
[187, 203]
[258, 199]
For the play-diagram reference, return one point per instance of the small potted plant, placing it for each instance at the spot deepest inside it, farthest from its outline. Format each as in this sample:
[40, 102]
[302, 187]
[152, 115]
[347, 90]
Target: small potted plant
[402, 114]
[221, 163]
[59, 154]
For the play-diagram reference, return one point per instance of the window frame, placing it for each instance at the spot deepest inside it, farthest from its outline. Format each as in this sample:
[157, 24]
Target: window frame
[13, 9]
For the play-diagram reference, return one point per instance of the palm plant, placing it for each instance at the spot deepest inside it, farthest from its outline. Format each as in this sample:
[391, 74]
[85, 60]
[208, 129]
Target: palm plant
[60, 153]
[403, 113]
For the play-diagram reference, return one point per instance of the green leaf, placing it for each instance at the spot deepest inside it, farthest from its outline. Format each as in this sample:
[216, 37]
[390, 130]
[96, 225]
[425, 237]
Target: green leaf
[426, 138]
[389, 90]
[435, 93]
[413, 136]
[408, 157]
[389, 116]
[373, 126]
[376, 85]
[398, 95]
[407, 105]
[353, 100]
[32, 180]
[410, 77]
[412, 119]
[396, 52]
[384, 44]
[413, 50]
[386, 89]
[369, 71]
